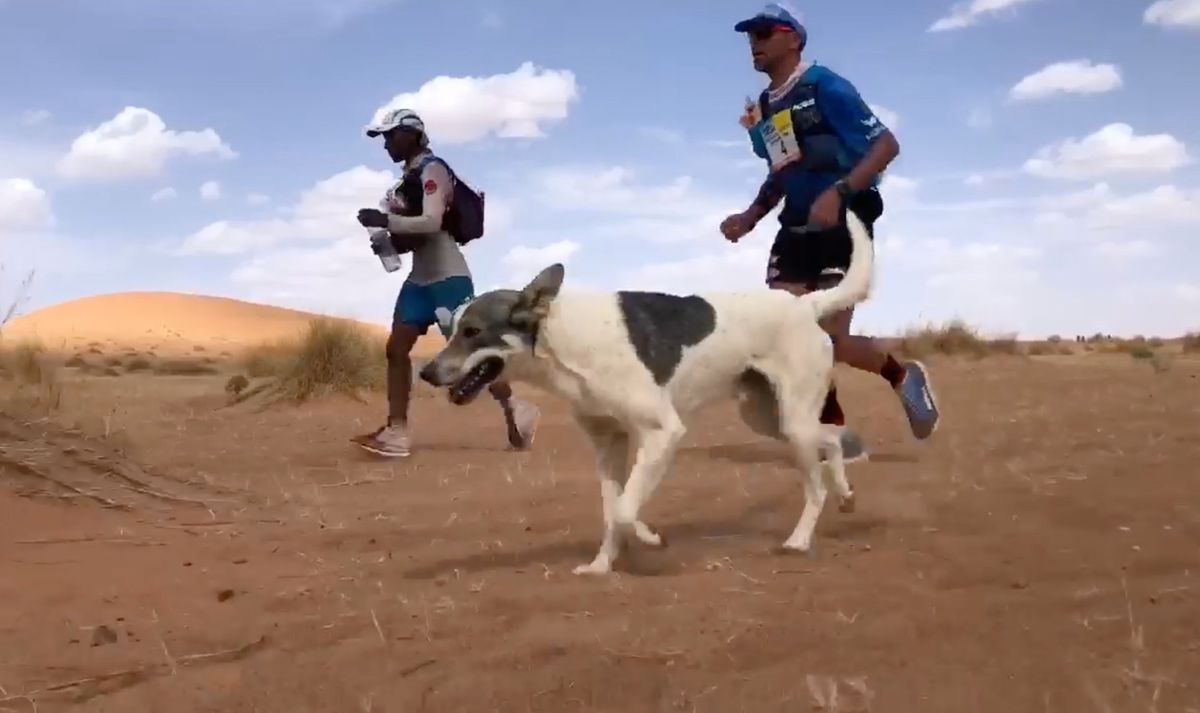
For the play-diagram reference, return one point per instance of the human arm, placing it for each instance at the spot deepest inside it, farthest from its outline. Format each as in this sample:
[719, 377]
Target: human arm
[864, 133]
[738, 225]
[435, 184]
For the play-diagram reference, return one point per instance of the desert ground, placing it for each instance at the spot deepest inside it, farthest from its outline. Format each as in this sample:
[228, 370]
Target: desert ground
[166, 545]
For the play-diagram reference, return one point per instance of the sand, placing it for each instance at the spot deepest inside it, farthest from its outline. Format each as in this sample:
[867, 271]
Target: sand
[170, 323]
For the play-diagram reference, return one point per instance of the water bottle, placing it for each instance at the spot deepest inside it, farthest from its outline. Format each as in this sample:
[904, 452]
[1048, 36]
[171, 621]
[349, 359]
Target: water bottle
[381, 245]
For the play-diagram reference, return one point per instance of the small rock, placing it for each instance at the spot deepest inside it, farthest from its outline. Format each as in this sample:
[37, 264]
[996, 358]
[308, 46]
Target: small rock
[1020, 584]
[867, 547]
[103, 635]
[241, 560]
[224, 595]
[187, 564]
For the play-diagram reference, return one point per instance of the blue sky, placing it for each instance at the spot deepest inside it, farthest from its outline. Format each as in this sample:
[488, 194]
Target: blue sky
[1048, 180]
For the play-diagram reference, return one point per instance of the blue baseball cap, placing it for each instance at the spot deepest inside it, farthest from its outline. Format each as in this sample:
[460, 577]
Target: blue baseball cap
[773, 14]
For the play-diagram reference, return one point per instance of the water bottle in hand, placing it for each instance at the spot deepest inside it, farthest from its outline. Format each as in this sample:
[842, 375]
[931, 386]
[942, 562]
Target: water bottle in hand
[381, 245]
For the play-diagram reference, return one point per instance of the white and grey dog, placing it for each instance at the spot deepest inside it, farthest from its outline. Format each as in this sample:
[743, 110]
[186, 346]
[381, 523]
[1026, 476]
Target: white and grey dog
[634, 364]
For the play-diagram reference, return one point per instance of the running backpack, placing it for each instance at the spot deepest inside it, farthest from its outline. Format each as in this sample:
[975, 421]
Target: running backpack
[464, 218]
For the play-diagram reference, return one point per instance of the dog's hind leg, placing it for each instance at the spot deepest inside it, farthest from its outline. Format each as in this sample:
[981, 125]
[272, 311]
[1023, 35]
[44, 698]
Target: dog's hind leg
[655, 448]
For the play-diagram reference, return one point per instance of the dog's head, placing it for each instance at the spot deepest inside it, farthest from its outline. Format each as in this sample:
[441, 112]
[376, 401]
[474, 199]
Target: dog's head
[488, 331]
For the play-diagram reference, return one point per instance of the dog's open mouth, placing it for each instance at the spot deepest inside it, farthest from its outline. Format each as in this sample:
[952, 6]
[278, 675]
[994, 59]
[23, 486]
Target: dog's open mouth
[468, 387]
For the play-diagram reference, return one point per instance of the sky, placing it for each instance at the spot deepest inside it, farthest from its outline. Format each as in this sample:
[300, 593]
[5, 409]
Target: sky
[1047, 183]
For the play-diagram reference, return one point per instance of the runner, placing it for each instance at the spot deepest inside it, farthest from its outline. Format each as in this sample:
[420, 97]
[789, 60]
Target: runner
[825, 150]
[439, 279]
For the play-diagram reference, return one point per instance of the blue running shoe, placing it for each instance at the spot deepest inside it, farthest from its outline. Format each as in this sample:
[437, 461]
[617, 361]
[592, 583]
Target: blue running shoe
[916, 396]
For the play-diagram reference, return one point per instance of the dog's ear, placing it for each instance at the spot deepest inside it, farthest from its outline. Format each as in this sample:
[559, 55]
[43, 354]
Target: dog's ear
[535, 298]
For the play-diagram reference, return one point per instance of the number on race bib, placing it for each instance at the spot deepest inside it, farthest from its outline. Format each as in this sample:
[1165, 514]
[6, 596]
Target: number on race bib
[779, 136]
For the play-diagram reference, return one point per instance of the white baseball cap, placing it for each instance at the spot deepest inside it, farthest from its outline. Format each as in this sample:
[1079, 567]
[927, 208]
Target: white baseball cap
[396, 118]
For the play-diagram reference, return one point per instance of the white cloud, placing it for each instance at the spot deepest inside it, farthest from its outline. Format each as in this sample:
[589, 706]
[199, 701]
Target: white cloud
[1127, 249]
[1079, 76]
[136, 143]
[164, 194]
[966, 14]
[1113, 149]
[1163, 206]
[210, 191]
[524, 262]
[1173, 13]
[33, 117]
[258, 199]
[728, 143]
[23, 207]
[325, 212]
[890, 118]
[514, 105]
[612, 201]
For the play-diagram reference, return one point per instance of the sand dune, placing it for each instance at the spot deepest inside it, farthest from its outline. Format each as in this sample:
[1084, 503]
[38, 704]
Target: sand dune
[169, 322]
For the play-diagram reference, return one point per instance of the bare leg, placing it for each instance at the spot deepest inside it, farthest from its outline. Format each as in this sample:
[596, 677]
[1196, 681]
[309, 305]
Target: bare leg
[399, 372]
[520, 417]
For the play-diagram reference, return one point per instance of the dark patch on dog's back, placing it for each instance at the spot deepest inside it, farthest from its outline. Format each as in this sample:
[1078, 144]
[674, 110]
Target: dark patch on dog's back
[660, 326]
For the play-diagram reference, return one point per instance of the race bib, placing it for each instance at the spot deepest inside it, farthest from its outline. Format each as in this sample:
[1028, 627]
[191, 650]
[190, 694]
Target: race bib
[779, 137]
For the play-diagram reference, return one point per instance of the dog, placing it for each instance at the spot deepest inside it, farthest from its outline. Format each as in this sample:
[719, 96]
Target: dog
[633, 365]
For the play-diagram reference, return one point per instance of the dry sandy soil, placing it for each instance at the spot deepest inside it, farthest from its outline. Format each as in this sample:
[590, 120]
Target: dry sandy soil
[171, 553]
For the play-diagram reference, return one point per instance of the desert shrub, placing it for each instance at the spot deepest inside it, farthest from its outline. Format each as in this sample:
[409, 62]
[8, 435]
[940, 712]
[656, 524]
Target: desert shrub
[1155, 343]
[183, 367]
[138, 364]
[236, 384]
[954, 338]
[1191, 343]
[1139, 351]
[332, 356]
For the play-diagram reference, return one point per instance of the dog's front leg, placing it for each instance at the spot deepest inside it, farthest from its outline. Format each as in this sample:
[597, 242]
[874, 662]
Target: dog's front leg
[656, 448]
[612, 460]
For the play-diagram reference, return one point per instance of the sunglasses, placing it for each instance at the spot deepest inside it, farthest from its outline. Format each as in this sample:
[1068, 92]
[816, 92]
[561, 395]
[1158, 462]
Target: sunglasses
[764, 32]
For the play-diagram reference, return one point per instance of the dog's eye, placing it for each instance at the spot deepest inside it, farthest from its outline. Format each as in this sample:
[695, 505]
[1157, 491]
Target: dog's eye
[470, 332]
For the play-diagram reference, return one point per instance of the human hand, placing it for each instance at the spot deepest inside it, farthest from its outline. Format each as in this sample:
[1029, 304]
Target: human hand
[372, 218]
[737, 226]
[824, 211]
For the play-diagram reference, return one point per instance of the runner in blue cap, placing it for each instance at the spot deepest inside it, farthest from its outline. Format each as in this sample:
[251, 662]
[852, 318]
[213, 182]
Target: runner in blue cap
[825, 150]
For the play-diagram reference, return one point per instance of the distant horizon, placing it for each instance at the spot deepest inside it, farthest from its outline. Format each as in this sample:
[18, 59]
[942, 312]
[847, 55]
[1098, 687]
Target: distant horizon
[1066, 337]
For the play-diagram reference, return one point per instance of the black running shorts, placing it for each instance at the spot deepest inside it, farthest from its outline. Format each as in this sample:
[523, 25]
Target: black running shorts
[819, 259]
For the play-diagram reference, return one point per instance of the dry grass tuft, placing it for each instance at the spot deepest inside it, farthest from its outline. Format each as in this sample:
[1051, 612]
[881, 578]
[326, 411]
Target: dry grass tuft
[1191, 343]
[29, 376]
[333, 356]
[954, 338]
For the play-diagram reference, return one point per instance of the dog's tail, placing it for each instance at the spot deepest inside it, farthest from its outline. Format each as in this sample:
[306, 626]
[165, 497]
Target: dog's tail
[856, 285]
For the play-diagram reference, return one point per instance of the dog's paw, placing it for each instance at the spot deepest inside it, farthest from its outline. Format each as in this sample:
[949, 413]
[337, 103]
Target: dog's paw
[595, 567]
[790, 548]
[847, 503]
[648, 535]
